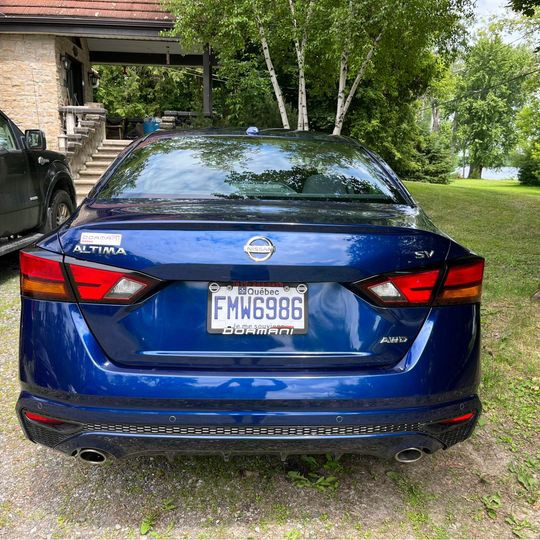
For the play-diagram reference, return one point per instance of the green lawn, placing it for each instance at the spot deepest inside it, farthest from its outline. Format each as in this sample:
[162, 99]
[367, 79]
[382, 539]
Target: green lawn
[485, 487]
[503, 186]
[500, 220]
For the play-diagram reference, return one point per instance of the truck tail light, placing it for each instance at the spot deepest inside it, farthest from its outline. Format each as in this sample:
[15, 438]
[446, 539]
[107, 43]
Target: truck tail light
[43, 277]
[458, 283]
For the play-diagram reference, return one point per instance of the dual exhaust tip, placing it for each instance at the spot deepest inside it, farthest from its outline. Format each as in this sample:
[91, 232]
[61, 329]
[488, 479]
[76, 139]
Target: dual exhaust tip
[96, 457]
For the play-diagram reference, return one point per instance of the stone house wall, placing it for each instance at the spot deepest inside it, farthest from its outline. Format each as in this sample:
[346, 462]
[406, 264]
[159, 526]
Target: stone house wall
[33, 80]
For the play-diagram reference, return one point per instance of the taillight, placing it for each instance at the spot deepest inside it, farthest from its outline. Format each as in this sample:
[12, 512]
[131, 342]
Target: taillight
[95, 283]
[403, 289]
[42, 277]
[462, 284]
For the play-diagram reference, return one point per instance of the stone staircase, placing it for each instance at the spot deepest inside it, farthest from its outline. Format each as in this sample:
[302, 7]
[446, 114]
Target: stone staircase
[98, 163]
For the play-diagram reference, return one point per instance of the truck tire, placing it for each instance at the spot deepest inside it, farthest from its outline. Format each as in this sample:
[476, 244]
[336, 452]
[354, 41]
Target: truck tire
[60, 208]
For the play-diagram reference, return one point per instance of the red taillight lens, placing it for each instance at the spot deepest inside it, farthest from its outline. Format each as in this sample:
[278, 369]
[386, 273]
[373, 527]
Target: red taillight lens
[404, 289]
[463, 284]
[457, 419]
[112, 286]
[43, 419]
[42, 277]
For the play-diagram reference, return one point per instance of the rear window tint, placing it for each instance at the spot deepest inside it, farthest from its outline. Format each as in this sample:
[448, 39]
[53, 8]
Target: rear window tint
[262, 168]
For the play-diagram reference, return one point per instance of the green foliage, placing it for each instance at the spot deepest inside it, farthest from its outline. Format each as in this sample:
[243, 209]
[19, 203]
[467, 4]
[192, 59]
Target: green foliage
[529, 166]
[137, 91]
[492, 503]
[387, 122]
[312, 474]
[489, 91]
[528, 123]
[527, 7]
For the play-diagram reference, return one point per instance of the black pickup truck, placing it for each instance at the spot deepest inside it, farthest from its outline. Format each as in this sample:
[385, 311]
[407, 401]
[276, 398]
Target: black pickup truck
[36, 189]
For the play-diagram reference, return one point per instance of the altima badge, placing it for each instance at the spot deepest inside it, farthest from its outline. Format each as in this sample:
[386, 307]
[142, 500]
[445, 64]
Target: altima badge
[259, 248]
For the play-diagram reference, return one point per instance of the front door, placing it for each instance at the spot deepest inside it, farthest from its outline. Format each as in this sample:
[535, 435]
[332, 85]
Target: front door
[19, 204]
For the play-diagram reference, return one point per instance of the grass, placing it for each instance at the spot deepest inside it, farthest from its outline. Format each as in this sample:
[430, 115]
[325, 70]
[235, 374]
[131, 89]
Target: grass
[502, 186]
[487, 486]
[504, 227]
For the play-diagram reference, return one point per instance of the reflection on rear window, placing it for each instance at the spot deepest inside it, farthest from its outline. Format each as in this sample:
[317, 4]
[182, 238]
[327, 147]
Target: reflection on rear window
[262, 168]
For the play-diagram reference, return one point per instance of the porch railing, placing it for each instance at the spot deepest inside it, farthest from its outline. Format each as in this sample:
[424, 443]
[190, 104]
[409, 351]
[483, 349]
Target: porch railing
[83, 132]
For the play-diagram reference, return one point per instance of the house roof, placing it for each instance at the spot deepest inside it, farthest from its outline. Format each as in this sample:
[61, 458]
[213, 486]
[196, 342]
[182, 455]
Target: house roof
[140, 10]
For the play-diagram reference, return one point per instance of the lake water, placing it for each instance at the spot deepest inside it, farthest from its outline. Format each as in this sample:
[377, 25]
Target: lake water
[504, 173]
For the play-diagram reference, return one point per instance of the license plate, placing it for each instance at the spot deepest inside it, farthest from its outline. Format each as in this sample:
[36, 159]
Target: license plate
[257, 309]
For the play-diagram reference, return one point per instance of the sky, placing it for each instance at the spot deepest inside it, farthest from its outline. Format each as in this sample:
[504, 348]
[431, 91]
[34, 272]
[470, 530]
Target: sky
[486, 8]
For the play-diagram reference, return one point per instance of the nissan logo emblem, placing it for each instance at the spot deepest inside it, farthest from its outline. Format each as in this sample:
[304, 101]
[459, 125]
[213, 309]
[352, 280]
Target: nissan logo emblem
[259, 248]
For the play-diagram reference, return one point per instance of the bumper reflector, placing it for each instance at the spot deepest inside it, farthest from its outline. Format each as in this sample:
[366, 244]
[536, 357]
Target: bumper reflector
[458, 419]
[42, 419]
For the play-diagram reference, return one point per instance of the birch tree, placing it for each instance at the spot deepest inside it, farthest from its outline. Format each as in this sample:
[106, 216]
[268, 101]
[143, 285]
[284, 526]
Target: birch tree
[369, 35]
[228, 26]
[300, 34]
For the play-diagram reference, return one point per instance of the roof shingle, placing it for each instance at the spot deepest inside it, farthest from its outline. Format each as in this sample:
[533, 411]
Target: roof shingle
[119, 9]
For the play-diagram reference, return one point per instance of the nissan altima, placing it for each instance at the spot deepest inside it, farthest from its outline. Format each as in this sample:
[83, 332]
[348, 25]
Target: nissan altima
[269, 292]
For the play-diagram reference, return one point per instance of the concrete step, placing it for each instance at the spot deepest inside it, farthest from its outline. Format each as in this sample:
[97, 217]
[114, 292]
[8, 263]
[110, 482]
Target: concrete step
[102, 156]
[96, 165]
[116, 142]
[86, 182]
[89, 176]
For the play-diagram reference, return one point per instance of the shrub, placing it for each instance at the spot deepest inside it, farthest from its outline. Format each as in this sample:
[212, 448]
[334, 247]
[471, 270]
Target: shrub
[529, 166]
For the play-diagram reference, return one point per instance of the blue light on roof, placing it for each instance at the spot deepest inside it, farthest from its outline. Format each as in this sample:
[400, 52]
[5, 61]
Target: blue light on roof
[252, 130]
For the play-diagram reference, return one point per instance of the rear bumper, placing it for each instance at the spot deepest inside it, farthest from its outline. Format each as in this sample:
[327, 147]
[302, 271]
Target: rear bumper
[65, 374]
[129, 432]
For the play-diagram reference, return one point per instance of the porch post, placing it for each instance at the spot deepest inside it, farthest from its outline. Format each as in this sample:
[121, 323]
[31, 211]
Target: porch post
[207, 82]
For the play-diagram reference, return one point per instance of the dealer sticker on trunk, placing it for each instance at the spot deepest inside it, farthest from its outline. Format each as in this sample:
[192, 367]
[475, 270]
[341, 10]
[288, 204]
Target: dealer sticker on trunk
[100, 239]
[257, 308]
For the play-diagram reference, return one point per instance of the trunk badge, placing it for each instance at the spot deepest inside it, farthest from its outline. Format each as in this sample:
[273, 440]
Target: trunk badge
[259, 249]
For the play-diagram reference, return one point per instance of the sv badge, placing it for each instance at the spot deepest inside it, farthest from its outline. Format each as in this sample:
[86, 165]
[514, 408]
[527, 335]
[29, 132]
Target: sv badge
[424, 254]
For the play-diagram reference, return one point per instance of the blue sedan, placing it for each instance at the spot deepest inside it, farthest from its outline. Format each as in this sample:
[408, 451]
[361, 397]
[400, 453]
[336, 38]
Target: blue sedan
[236, 293]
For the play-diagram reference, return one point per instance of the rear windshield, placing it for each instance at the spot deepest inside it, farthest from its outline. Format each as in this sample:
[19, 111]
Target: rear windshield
[262, 168]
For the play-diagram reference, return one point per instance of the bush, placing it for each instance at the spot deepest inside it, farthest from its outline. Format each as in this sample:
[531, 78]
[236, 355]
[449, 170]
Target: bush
[436, 162]
[529, 166]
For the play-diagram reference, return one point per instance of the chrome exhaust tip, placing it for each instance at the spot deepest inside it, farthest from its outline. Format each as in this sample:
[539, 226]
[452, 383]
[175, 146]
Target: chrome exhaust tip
[409, 455]
[91, 455]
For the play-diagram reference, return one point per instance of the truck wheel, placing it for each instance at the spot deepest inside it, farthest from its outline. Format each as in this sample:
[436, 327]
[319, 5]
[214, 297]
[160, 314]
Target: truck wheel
[60, 209]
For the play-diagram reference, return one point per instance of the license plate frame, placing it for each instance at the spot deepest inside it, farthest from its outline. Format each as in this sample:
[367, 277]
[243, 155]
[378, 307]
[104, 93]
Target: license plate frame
[249, 328]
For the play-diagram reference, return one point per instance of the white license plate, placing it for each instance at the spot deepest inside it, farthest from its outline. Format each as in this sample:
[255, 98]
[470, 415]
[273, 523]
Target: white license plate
[257, 309]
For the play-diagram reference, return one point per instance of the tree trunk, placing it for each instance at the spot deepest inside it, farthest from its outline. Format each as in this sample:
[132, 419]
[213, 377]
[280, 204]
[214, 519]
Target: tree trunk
[343, 70]
[300, 47]
[435, 119]
[359, 76]
[273, 77]
[475, 171]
